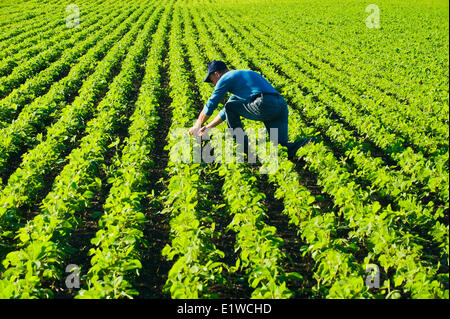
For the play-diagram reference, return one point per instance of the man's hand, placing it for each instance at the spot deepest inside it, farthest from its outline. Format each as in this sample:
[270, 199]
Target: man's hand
[194, 130]
[203, 130]
[198, 125]
[198, 130]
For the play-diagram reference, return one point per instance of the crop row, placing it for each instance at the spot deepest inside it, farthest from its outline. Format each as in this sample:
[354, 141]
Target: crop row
[36, 40]
[367, 69]
[196, 265]
[11, 105]
[26, 184]
[44, 238]
[119, 240]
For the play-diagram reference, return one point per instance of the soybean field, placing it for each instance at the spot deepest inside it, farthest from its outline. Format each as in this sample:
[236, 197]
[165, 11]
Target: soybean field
[94, 205]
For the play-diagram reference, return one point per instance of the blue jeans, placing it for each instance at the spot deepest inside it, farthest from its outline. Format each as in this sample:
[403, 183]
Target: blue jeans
[272, 110]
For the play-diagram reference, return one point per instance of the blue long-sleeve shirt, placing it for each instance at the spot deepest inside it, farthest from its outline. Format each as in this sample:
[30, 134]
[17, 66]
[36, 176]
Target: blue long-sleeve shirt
[243, 84]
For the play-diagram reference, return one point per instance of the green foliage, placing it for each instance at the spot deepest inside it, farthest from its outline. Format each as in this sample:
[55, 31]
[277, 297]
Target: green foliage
[375, 99]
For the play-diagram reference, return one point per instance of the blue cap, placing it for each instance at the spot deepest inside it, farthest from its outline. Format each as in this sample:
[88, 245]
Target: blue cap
[213, 67]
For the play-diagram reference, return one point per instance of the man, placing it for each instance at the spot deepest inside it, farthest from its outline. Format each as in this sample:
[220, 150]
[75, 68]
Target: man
[253, 98]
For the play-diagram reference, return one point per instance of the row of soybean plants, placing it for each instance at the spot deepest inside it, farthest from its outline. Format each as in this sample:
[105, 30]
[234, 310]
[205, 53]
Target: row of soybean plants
[259, 248]
[26, 184]
[333, 255]
[13, 13]
[12, 29]
[38, 84]
[43, 242]
[425, 218]
[46, 56]
[413, 80]
[407, 274]
[116, 257]
[37, 39]
[196, 263]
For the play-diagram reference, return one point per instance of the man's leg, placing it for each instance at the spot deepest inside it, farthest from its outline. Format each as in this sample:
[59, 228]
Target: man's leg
[280, 123]
[272, 111]
[233, 115]
[234, 109]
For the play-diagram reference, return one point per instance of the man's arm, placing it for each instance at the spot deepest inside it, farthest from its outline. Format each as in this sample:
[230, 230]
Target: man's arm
[219, 93]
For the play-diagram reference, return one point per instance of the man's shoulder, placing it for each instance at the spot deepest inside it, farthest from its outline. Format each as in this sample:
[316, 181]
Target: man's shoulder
[237, 73]
[241, 71]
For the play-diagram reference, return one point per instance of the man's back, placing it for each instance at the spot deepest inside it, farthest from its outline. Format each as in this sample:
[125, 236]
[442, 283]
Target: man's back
[248, 102]
[246, 83]
[243, 84]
